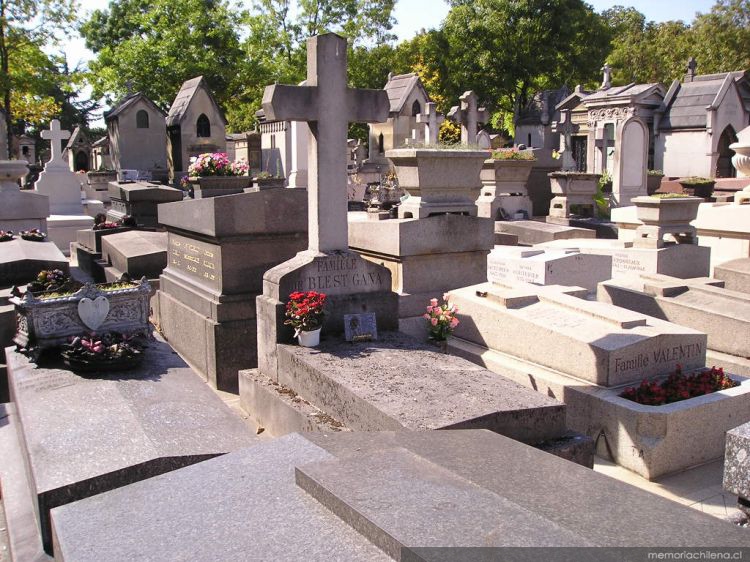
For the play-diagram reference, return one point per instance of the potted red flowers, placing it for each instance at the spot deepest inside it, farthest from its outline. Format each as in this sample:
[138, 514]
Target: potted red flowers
[304, 312]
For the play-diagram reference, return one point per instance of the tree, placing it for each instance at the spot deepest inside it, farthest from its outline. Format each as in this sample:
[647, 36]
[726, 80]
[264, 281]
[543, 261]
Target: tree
[722, 37]
[26, 26]
[155, 45]
[505, 50]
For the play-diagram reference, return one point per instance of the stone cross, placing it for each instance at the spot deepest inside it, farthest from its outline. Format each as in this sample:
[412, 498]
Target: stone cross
[432, 120]
[55, 135]
[328, 105]
[566, 129]
[607, 81]
[469, 116]
[691, 66]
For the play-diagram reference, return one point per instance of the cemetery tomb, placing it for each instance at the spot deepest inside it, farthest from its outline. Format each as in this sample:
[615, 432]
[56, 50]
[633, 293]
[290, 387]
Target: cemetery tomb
[217, 250]
[426, 257]
[536, 232]
[585, 354]
[737, 465]
[113, 431]
[378, 496]
[547, 267]
[88, 251]
[504, 193]
[137, 253]
[735, 274]
[703, 304]
[63, 188]
[21, 261]
[139, 200]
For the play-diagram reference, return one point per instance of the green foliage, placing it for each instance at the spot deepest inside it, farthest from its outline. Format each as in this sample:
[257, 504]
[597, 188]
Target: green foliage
[722, 37]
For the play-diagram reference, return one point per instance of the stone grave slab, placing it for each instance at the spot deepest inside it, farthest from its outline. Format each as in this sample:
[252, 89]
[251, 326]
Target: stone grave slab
[267, 510]
[592, 341]
[535, 232]
[426, 257]
[547, 267]
[735, 274]
[737, 465]
[702, 304]
[21, 260]
[140, 200]
[218, 250]
[139, 253]
[680, 260]
[116, 429]
[398, 382]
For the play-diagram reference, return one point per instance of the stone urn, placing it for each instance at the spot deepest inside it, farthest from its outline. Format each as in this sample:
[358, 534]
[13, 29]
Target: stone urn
[653, 182]
[438, 181]
[572, 188]
[215, 186]
[697, 187]
[665, 215]
[504, 187]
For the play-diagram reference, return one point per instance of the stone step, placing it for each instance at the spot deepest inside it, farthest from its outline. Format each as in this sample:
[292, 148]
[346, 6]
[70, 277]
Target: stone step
[24, 540]
[140, 253]
[399, 500]
[240, 506]
[399, 383]
[114, 430]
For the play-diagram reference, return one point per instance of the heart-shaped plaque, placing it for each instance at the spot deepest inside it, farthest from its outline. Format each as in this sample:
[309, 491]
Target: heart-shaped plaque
[93, 312]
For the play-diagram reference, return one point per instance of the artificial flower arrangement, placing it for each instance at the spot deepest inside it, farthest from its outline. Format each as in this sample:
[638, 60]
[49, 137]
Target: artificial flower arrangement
[215, 164]
[111, 350]
[305, 311]
[34, 235]
[6, 235]
[52, 280]
[441, 319]
[678, 386]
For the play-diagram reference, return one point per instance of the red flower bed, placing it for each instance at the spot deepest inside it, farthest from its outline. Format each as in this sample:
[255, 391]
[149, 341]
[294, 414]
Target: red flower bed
[678, 386]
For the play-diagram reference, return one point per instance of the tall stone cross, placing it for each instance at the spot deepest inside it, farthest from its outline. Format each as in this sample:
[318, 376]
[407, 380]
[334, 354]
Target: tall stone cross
[55, 135]
[432, 120]
[328, 105]
[469, 116]
[607, 79]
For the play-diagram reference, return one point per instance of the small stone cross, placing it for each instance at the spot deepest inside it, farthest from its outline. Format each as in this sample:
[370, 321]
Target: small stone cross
[55, 135]
[432, 120]
[328, 105]
[607, 81]
[469, 116]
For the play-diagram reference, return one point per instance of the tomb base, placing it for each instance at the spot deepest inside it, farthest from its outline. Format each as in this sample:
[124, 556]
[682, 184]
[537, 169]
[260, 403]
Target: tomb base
[63, 229]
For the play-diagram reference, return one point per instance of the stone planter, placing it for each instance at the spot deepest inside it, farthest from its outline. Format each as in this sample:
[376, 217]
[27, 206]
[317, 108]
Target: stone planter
[661, 216]
[215, 186]
[438, 181]
[653, 183]
[572, 188]
[49, 322]
[504, 187]
[702, 190]
[268, 183]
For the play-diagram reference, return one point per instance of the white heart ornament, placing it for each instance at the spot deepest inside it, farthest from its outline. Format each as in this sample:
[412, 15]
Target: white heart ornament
[93, 312]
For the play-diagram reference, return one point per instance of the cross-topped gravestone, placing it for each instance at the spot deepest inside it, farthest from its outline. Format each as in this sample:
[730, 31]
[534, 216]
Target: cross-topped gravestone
[328, 105]
[431, 120]
[469, 116]
[607, 79]
[55, 134]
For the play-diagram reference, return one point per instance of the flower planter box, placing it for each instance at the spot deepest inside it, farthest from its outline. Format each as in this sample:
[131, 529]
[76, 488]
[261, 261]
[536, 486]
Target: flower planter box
[268, 183]
[653, 183]
[438, 181]
[215, 186]
[572, 188]
[504, 187]
[666, 210]
[49, 322]
[702, 190]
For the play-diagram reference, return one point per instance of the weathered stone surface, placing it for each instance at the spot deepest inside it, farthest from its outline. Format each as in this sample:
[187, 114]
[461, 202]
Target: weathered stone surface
[398, 382]
[20, 210]
[92, 239]
[139, 200]
[535, 232]
[63, 229]
[21, 260]
[737, 461]
[238, 506]
[115, 430]
[596, 342]
[735, 274]
[547, 267]
[702, 304]
[139, 253]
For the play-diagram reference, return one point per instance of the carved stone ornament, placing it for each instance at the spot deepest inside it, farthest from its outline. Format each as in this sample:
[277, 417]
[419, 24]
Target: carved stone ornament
[610, 114]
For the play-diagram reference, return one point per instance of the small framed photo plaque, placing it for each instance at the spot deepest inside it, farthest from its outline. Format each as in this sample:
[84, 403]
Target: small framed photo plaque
[360, 327]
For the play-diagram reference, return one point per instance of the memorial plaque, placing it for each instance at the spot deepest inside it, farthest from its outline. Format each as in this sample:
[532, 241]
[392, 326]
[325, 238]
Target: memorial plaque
[199, 260]
[360, 327]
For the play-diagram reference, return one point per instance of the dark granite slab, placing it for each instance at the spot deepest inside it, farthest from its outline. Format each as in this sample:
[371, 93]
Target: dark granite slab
[241, 506]
[86, 435]
[139, 253]
[737, 462]
[398, 382]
